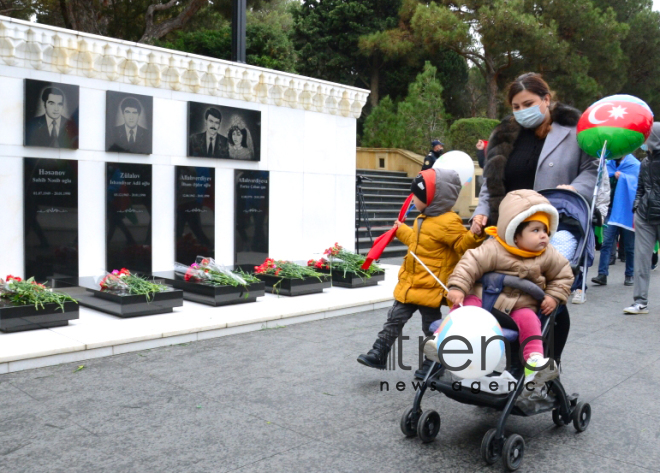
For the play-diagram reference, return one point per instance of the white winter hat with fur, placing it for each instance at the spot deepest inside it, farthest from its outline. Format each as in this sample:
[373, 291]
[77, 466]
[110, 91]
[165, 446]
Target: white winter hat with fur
[518, 206]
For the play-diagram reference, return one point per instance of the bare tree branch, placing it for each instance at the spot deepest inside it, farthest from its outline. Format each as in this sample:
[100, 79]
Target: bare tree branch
[6, 11]
[158, 30]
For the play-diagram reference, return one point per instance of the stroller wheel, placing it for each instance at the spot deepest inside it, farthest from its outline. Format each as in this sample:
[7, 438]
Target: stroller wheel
[489, 452]
[556, 418]
[513, 452]
[581, 416]
[409, 422]
[428, 426]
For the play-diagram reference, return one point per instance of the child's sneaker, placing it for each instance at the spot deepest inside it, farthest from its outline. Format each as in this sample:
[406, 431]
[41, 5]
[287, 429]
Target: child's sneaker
[539, 378]
[579, 297]
[637, 308]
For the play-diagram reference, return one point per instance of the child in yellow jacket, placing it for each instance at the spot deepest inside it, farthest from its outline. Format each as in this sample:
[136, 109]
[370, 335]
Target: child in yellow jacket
[439, 239]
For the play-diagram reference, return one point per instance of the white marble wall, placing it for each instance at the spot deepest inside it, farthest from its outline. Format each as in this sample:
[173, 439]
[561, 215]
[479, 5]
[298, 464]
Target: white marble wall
[311, 157]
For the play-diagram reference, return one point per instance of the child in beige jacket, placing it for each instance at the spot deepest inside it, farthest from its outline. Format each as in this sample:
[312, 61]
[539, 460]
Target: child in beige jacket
[520, 247]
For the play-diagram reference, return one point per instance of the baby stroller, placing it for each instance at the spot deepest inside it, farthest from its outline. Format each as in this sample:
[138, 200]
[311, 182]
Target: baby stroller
[575, 217]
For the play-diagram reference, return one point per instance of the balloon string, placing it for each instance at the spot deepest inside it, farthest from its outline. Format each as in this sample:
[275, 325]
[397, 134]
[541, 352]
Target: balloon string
[429, 271]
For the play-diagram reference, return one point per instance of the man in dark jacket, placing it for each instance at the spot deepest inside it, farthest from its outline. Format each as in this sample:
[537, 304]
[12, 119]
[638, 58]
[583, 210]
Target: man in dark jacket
[52, 129]
[437, 150]
[647, 221]
[131, 137]
[209, 143]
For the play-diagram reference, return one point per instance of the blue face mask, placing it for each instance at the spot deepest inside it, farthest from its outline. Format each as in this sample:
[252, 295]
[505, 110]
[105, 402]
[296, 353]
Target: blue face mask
[644, 147]
[530, 117]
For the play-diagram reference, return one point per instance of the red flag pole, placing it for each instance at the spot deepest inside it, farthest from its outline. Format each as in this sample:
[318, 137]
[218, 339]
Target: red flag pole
[382, 241]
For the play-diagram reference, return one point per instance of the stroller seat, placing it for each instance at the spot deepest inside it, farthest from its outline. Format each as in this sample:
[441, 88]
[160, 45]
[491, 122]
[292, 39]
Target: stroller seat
[493, 283]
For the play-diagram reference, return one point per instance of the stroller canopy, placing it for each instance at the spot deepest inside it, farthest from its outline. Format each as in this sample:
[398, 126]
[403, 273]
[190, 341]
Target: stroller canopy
[574, 216]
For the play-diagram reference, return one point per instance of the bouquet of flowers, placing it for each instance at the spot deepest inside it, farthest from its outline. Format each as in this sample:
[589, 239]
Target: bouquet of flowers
[123, 281]
[208, 271]
[31, 292]
[347, 262]
[286, 269]
[319, 264]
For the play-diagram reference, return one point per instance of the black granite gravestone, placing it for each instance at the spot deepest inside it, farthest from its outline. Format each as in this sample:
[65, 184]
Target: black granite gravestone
[128, 216]
[195, 213]
[51, 218]
[251, 208]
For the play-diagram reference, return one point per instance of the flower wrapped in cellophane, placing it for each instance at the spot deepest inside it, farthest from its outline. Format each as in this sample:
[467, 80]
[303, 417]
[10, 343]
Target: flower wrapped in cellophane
[123, 280]
[208, 271]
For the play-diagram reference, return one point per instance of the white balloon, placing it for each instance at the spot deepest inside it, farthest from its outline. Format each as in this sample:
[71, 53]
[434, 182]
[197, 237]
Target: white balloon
[458, 161]
[476, 326]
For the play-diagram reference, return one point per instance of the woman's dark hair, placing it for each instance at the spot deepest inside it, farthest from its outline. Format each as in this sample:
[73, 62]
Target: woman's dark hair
[535, 84]
[242, 131]
[530, 81]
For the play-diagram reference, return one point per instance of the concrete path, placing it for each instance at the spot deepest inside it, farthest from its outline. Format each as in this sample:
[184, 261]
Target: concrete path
[294, 399]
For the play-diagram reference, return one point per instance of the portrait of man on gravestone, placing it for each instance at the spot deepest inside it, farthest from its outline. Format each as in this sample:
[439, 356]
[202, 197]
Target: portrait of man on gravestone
[209, 143]
[129, 122]
[51, 114]
[216, 131]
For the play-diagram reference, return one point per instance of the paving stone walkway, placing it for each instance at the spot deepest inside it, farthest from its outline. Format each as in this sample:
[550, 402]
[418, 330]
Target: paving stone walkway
[293, 399]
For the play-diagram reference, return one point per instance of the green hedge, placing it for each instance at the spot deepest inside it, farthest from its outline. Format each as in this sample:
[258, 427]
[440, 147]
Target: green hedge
[464, 134]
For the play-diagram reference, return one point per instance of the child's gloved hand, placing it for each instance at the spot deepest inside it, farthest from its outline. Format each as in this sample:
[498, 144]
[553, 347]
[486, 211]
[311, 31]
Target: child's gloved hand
[455, 296]
[548, 305]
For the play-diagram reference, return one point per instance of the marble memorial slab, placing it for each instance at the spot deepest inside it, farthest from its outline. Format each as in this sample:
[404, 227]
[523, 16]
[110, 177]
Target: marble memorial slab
[195, 213]
[128, 216]
[252, 204]
[50, 222]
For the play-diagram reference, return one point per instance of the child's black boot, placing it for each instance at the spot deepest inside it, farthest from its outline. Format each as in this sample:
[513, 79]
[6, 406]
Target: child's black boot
[377, 356]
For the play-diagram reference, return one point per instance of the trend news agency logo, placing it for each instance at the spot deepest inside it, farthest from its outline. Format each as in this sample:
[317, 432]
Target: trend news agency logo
[395, 358]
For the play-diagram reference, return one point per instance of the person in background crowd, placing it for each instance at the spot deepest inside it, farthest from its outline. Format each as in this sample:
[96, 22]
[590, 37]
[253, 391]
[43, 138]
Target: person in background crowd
[647, 222]
[625, 172]
[598, 222]
[437, 150]
[482, 146]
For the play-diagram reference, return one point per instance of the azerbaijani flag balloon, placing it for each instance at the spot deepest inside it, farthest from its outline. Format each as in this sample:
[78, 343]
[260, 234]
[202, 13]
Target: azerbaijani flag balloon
[623, 120]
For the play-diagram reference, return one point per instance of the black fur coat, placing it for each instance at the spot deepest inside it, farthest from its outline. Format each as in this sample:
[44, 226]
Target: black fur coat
[500, 145]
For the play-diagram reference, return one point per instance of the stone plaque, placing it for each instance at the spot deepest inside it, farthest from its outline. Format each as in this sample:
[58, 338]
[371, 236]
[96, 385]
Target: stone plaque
[51, 114]
[51, 218]
[251, 207]
[128, 122]
[195, 213]
[128, 216]
[217, 131]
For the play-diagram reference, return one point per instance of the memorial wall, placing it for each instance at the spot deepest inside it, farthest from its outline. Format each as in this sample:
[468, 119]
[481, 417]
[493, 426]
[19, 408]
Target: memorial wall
[119, 154]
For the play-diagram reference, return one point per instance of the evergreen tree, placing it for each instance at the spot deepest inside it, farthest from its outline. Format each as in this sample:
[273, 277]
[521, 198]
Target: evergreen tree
[573, 40]
[326, 35]
[416, 120]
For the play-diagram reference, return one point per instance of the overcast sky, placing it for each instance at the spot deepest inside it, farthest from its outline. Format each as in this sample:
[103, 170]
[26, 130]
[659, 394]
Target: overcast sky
[656, 4]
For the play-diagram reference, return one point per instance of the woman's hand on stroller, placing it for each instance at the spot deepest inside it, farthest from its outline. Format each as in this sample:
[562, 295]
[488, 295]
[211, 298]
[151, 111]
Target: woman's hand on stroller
[476, 228]
[455, 296]
[548, 305]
